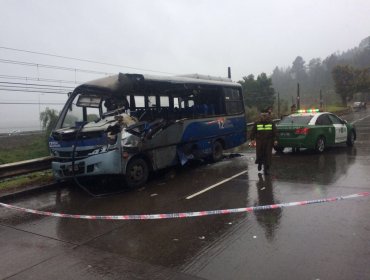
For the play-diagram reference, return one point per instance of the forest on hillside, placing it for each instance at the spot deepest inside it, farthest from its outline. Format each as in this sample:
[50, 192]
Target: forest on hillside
[313, 76]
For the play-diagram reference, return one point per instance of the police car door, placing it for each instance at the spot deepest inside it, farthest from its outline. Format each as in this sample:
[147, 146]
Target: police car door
[340, 129]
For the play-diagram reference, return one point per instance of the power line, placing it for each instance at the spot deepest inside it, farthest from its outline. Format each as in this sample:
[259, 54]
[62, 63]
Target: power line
[38, 91]
[38, 79]
[26, 88]
[10, 84]
[48, 66]
[32, 103]
[85, 60]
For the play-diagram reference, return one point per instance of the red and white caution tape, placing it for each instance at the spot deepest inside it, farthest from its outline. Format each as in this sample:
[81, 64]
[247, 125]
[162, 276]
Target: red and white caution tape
[185, 214]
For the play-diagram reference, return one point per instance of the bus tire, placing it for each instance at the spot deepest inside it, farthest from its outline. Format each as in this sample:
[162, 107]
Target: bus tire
[320, 145]
[279, 149]
[137, 173]
[217, 151]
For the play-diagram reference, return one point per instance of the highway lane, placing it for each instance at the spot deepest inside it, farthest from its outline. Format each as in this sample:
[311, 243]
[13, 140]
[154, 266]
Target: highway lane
[321, 241]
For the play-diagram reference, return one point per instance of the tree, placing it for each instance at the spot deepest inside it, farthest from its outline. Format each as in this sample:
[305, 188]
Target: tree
[249, 89]
[298, 70]
[48, 119]
[362, 80]
[258, 92]
[266, 97]
[344, 82]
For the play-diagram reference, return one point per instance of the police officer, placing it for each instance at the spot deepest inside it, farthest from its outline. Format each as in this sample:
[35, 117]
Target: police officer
[264, 137]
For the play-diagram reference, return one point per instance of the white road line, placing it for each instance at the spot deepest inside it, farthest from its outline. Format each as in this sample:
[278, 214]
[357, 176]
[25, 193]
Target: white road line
[215, 185]
[360, 119]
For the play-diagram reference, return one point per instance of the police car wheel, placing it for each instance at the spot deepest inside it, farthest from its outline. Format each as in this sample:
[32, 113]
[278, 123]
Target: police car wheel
[351, 139]
[320, 145]
[137, 173]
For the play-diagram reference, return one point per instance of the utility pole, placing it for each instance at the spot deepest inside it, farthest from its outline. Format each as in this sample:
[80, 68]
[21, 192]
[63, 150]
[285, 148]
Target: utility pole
[298, 98]
[229, 72]
[278, 97]
[321, 100]
[40, 111]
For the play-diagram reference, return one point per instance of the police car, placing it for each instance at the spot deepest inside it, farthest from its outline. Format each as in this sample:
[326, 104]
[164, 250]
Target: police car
[315, 130]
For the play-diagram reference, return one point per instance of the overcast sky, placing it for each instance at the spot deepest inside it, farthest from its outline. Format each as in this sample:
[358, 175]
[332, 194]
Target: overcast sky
[173, 36]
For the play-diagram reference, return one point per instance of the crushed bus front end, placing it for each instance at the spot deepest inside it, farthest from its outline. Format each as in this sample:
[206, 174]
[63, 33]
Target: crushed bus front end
[92, 149]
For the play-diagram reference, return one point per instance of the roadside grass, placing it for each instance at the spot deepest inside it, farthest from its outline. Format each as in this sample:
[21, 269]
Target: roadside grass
[15, 148]
[335, 108]
[32, 179]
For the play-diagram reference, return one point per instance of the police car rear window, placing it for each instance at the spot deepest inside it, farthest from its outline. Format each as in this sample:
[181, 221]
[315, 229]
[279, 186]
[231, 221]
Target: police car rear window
[296, 119]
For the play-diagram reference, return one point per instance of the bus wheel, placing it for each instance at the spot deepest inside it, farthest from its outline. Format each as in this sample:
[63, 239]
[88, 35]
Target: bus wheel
[217, 151]
[279, 149]
[137, 173]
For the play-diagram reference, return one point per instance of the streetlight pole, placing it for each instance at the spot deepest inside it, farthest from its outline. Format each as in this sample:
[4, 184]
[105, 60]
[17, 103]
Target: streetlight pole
[298, 98]
[39, 111]
[278, 97]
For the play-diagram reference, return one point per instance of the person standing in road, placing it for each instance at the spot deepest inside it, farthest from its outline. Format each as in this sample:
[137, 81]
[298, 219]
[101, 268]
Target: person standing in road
[264, 137]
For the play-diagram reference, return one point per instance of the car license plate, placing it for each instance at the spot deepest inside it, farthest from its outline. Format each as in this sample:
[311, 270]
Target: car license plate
[70, 168]
[284, 134]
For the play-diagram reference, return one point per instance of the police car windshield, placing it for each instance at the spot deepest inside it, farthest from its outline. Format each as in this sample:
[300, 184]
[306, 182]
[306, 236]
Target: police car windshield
[296, 119]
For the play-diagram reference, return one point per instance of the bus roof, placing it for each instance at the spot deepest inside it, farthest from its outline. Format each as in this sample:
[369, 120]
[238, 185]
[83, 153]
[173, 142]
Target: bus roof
[120, 81]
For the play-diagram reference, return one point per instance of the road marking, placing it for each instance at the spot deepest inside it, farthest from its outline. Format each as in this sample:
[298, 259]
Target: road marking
[360, 119]
[215, 185]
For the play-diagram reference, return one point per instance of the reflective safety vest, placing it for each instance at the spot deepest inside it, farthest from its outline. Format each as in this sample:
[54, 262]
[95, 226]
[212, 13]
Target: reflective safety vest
[263, 127]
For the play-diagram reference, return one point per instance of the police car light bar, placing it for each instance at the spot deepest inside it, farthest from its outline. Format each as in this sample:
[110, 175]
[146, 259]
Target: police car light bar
[308, 111]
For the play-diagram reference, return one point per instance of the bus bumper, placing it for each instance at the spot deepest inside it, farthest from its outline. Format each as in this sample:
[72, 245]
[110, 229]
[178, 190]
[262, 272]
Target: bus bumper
[100, 164]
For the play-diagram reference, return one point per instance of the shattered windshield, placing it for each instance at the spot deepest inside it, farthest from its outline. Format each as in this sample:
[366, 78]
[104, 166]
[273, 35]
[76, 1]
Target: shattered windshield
[88, 108]
[75, 115]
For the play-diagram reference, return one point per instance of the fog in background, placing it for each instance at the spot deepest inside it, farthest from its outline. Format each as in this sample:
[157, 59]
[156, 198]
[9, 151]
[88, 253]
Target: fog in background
[159, 37]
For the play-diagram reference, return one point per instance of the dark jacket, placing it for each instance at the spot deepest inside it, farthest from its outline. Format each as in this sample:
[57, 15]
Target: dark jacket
[265, 133]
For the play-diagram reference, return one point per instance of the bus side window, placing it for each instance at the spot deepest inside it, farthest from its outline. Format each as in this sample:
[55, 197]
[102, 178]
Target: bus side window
[233, 101]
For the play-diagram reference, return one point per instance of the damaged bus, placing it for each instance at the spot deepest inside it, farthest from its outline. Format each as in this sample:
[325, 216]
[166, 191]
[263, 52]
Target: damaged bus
[131, 124]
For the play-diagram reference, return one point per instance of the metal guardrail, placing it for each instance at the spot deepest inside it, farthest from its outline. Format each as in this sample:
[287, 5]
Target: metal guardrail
[24, 167]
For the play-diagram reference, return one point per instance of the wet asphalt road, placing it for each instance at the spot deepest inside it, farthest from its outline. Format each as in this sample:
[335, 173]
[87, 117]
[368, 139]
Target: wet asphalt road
[319, 241]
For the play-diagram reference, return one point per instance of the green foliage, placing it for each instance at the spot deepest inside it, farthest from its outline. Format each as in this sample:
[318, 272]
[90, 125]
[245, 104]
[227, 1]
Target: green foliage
[22, 147]
[48, 119]
[298, 70]
[92, 117]
[258, 92]
[349, 80]
[335, 108]
[344, 82]
[363, 80]
[284, 108]
[317, 75]
[36, 178]
[252, 114]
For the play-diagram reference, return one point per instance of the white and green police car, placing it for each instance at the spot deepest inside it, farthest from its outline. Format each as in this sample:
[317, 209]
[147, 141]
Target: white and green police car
[315, 130]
